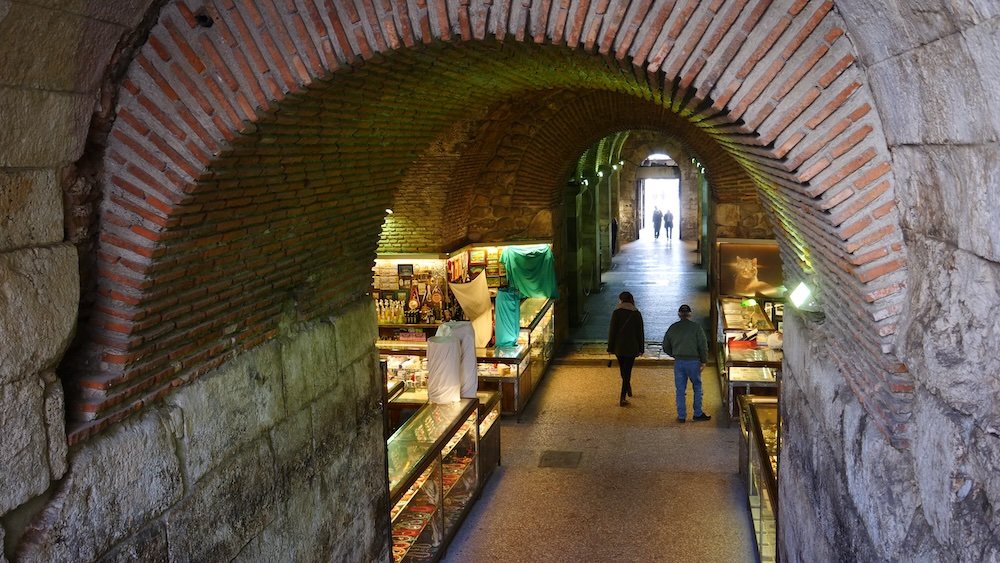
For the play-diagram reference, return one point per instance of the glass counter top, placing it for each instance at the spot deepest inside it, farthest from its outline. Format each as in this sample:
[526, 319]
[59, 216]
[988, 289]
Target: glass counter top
[531, 308]
[752, 374]
[511, 353]
[737, 317]
[766, 416]
[754, 357]
[415, 443]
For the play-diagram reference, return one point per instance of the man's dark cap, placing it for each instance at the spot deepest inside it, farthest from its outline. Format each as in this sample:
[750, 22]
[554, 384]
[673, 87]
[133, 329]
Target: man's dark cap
[684, 309]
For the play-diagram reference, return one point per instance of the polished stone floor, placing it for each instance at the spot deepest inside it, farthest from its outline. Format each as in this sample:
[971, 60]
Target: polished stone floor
[583, 479]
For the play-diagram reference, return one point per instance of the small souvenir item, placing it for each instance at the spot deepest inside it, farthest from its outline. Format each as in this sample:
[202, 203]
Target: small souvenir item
[414, 303]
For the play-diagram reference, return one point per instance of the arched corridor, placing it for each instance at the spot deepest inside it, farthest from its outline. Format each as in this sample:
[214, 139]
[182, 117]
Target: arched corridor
[638, 486]
[193, 192]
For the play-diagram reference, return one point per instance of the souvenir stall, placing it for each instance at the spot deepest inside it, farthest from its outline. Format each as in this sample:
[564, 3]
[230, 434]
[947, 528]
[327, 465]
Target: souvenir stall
[748, 315]
[506, 292]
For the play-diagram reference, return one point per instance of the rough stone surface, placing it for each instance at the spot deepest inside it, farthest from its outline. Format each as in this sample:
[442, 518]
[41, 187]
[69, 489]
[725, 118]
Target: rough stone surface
[950, 337]
[30, 209]
[32, 142]
[23, 452]
[150, 544]
[124, 12]
[950, 194]
[55, 425]
[38, 299]
[356, 332]
[72, 64]
[880, 481]
[116, 483]
[932, 94]
[226, 509]
[228, 408]
[2, 537]
[309, 364]
[984, 45]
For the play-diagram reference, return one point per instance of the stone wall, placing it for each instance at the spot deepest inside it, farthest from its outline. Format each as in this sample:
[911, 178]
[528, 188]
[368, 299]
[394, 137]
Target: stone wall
[742, 220]
[846, 495]
[278, 452]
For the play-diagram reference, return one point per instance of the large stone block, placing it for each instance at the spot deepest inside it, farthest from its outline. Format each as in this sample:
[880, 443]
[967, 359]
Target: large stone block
[42, 129]
[227, 508]
[39, 292]
[944, 476]
[932, 94]
[55, 426]
[949, 338]
[30, 209]
[880, 481]
[950, 194]
[356, 331]
[984, 45]
[23, 452]
[228, 408]
[124, 12]
[55, 49]
[309, 364]
[150, 544]
[116, 484]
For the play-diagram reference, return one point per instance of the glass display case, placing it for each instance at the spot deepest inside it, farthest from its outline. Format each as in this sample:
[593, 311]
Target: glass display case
[410, 401]
[489, 433]
[507, 370]
[746, 364]
[433, 478]
[748, 381]
[760, 432]
[538, 334]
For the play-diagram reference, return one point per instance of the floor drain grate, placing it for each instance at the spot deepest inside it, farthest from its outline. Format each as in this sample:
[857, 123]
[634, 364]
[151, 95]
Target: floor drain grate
[563, 460]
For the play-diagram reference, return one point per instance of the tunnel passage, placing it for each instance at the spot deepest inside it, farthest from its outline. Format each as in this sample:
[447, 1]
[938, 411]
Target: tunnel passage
[249, 167]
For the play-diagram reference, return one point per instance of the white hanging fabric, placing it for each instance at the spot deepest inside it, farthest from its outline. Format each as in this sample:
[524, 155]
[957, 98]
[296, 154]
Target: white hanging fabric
[467, 340]
[474, 297]
[444, 369]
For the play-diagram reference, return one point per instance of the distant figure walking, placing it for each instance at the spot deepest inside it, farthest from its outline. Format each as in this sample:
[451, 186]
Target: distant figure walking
[685, 341]
[626, 340]
[657, 219]
[668, 222]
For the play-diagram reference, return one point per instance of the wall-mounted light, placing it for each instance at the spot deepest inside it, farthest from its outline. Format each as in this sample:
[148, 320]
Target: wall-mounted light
[600, 173]
[621, 163]
[802, 299]
[585, 182]
[614, 167]
[388, 211]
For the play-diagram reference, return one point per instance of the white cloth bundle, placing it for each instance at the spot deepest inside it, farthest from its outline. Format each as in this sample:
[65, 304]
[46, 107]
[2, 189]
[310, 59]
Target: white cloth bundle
[467, 340]
[444, 369]
[475, 300]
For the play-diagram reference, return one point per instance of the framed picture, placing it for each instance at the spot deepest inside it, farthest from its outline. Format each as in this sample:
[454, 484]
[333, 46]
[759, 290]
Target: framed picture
[405, 270]
[749, 268]
[477, 257]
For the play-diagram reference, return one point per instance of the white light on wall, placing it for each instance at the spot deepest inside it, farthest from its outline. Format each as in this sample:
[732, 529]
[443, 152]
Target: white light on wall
[800, 295]
[388, 211]
[600, 173]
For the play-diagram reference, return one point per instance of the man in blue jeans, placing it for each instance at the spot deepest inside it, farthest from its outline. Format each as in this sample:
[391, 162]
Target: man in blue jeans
[685, 341]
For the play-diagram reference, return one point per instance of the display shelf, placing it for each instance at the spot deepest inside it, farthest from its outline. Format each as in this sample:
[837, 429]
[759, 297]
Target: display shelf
[433, 477]
[761, 432]
[748, 381]
[488, 427]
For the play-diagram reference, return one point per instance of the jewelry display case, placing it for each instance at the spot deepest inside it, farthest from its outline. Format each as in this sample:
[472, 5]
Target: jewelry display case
[433, 478]
[411, 401]
[746, 364]
[538, 334]
[760, 434]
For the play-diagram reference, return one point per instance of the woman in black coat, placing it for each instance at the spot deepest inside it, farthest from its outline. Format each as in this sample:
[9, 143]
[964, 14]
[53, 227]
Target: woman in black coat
[626, 340]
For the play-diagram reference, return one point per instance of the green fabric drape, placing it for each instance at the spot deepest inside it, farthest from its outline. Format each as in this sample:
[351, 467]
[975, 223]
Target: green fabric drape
[531, 270]
[508, 315]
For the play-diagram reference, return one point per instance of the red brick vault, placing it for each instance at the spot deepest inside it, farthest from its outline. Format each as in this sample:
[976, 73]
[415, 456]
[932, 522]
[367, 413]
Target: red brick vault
[257, 144]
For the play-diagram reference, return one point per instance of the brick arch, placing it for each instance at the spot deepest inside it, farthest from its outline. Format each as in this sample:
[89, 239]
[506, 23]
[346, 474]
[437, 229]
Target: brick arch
[241, 150]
